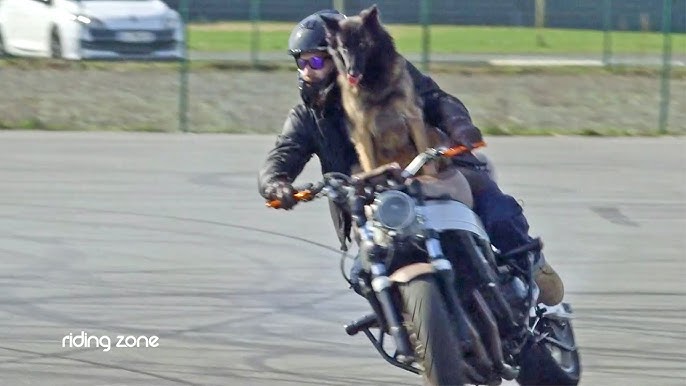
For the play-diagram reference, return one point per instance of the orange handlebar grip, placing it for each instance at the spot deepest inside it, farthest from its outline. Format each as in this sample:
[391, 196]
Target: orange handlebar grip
[303, 195]
[276, 204]
[300, 196]
[453, 151]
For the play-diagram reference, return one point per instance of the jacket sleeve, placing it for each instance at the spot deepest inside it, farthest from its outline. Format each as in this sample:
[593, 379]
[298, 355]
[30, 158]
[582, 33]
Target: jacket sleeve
[443, 110]
[293, 149]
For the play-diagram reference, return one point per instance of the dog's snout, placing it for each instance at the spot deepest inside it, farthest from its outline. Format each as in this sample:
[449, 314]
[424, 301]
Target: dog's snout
[354, 78]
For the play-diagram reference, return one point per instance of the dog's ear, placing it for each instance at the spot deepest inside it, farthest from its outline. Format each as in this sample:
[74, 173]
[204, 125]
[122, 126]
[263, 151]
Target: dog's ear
[370, 16]
[332, 27]
[330, 24]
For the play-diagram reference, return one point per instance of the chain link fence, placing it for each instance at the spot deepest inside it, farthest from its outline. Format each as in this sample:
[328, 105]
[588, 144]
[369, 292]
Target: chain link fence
[520, 66]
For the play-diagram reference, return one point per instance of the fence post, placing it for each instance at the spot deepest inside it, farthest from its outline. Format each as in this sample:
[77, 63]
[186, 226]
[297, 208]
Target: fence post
[183, 69]
[607, 37]
[539, 22]
[255, 37]
[666, 64]
[424, 15]
[339, 5]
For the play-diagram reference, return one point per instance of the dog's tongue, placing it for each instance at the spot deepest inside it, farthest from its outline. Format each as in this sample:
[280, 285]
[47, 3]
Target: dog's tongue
[353, 80]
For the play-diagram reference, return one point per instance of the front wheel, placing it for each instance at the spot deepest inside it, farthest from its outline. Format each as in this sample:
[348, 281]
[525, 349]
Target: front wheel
[431, 332]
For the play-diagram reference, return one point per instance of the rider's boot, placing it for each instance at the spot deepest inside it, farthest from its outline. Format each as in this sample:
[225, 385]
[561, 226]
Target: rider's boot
[550, 284]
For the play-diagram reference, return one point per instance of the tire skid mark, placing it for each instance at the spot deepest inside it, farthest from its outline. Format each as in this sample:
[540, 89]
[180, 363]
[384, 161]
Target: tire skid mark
[100, 364]
[33, 310]
[259, 362]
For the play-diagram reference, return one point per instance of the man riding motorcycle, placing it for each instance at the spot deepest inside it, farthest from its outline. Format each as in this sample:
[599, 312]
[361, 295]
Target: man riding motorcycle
[317, 126]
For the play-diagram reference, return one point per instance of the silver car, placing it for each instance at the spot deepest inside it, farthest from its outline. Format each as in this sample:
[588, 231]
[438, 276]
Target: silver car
[91, 29]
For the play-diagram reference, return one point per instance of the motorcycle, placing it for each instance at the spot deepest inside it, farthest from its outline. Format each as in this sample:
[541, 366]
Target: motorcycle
[458, 310]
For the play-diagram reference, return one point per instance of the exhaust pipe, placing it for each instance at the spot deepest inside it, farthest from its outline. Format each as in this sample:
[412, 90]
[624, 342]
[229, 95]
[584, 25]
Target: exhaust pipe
[483, 360]
[495, 345]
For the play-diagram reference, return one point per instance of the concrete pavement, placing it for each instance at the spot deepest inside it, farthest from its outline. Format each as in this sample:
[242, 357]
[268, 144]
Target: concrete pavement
[163, 235]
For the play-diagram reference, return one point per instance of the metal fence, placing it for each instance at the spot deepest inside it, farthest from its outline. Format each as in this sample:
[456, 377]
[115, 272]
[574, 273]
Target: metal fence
[520, 66]
[628, 15]
[609, 16]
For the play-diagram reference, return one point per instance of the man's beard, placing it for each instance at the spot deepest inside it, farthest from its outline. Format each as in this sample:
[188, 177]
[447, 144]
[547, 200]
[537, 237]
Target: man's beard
[314, 93]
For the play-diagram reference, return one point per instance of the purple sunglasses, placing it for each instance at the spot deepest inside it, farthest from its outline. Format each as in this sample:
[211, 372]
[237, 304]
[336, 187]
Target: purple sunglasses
[315, 62]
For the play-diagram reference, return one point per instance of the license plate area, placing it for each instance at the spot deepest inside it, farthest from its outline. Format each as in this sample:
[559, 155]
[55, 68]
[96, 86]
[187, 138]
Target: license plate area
[135, 36]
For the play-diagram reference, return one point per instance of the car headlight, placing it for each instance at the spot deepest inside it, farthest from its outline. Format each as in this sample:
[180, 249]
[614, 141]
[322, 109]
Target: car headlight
[87, 20]
[172, 21]
[394, 210]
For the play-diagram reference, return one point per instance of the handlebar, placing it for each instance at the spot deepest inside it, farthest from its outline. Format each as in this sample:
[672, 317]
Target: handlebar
[303, 195]
[453, 151]
[409, 171]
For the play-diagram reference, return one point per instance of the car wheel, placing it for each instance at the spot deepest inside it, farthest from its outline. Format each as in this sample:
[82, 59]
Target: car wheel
[55, 46]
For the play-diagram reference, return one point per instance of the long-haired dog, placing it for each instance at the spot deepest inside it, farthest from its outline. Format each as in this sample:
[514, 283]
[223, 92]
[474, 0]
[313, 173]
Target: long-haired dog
[378, 95]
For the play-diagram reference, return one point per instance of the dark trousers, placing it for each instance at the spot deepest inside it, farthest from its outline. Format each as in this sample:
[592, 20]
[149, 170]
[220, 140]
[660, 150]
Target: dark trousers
[500, 213]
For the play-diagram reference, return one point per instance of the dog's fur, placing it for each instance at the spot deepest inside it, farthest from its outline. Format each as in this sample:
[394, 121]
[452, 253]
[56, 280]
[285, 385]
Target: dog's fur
[384, 114]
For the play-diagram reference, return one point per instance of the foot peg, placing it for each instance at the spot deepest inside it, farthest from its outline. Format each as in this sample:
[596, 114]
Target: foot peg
[361, 324]
[535, 245]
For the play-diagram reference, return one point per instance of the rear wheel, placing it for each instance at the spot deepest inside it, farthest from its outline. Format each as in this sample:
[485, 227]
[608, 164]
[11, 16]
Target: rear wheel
[545, 363]
[430, 329]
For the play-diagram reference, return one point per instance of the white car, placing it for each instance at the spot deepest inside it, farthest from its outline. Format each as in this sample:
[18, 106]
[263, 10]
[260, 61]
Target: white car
[90, 29]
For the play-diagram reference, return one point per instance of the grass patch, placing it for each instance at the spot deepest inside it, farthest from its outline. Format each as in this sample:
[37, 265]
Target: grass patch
[445, 39]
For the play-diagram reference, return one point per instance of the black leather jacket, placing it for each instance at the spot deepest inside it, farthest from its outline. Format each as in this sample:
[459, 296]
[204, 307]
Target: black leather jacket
[312, 131]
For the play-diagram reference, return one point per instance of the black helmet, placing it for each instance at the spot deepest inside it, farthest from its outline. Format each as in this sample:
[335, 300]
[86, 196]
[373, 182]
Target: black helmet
[310, 34]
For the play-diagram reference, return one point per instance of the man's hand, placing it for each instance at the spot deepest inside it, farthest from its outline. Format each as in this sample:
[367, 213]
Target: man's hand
[463, 132]
[282, 191]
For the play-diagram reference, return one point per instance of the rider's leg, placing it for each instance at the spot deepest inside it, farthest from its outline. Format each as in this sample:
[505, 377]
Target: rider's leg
[508, 228]
[488, 166]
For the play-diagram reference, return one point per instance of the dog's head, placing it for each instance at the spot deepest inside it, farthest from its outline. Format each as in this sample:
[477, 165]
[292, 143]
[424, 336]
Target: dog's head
[353, 40]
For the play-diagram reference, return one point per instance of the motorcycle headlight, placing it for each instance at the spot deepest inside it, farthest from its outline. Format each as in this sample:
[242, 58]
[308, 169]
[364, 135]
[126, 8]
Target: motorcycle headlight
[394, 210]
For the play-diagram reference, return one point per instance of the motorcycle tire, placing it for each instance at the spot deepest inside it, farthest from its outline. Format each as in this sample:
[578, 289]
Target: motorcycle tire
[436, 346]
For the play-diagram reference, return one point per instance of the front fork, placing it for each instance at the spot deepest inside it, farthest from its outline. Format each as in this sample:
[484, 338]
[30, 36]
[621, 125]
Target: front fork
[444, 273]
[382, 286]
[446, 281]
